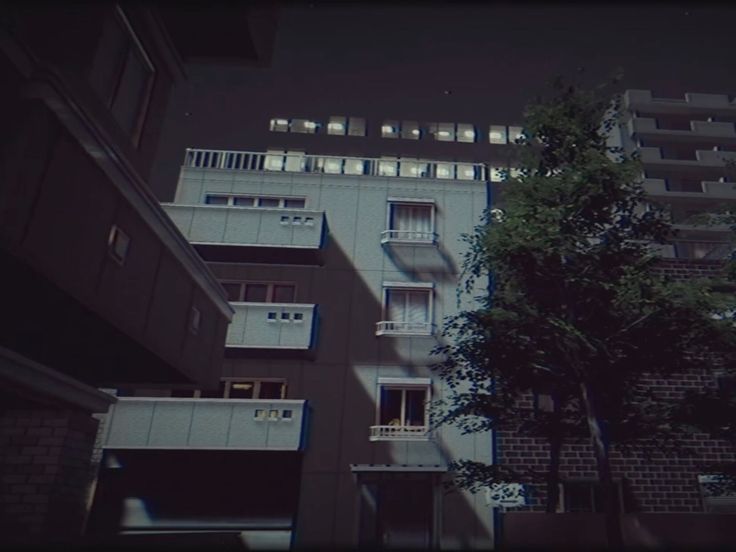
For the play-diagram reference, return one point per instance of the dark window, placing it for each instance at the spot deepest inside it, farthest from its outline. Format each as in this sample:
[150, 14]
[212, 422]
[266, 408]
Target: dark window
[294, 203]
[256, 293]
[244, 201]
[216, 200]
[283, 294]
[233, 291]
[268, 202]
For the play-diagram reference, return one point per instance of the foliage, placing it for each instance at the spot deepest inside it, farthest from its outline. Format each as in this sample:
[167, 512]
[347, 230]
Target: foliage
[575, 307]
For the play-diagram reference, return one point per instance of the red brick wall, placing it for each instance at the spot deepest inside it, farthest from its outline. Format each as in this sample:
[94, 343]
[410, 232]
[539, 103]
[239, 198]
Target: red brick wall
[660, 484]
[44, 471]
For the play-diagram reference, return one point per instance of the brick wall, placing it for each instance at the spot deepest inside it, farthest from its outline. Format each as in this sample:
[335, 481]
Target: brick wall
[658, 484]
[44, 471]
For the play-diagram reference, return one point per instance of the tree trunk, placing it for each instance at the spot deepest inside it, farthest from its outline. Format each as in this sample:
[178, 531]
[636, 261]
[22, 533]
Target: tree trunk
[600, 449]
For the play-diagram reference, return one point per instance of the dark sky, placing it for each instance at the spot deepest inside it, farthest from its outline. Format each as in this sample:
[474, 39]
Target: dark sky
[381, 61]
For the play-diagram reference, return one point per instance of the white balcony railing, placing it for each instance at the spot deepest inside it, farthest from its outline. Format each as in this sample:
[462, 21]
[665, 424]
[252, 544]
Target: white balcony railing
[188, 423]
[325, 164]
[398, 432]
[272, 326]
[409, 236]
[390, 327]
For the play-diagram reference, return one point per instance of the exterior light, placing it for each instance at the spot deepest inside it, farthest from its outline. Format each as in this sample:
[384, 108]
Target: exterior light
[415, 132]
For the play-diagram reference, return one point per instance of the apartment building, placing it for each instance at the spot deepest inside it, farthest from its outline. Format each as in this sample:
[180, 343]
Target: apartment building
[340, 271]
[100, 289]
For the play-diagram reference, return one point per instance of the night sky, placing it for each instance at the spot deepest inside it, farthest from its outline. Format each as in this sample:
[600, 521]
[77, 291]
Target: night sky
[376, 60]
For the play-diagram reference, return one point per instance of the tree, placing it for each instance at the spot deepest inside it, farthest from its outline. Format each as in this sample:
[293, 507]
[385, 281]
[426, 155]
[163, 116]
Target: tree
[575, 307]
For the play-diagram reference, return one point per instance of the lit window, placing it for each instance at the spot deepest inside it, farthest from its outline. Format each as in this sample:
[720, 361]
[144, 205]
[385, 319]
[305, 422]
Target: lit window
[333, 165]
[354, 166]
[411, 222]
[515, 132]
[402, 412]
[255, 201]
[443, 132]
[414, 169]
[356, 126]
[497, 134]
[387, 166]
[279, 125]
[466, 171]
[303, 126]
[259, 292]
[410, 130]
[274, 160]
[390, 129]
[123, 74]
[445, 170]
[497, 174]
[295, 161]
[407, 310]
[255, 389]
[337, 126]
[465, 133]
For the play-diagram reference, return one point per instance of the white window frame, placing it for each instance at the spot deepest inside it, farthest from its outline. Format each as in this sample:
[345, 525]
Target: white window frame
[401, 432]
[391, 235]
[256, 199]
[391, 327]
[269, 291]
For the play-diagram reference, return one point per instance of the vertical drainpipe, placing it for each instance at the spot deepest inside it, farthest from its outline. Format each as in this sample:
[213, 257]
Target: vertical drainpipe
[496, 514]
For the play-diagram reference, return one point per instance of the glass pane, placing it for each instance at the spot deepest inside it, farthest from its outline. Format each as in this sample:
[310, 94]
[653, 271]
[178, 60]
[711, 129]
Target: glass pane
[396, 305]
[294, 203]
[215, 200]
[268, 202]
[256, 293]
[418, 308]
[283, 294]
[244, 201]
[337, 126]
[272, 390]
[233, 291]
[390, 406]
[356, 126]
[415, 407]
[241, 390]
[214, 393]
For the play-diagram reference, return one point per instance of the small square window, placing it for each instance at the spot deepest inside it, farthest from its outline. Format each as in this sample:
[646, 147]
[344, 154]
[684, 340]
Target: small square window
[285, 317]
[287, 415]
[337, 126]
[410, 130]
[356, 126]
[285, 219]
[216, 200]
[118, 244]
[390, 129]
[273, 414]
[497, 134]
[259, 414]
[272, 317]
[279, 125]
[298, 317]
[465, 132]
[309, 221]
[296, 220]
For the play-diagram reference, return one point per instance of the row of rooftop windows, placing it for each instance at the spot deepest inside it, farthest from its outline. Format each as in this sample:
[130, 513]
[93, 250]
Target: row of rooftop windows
[407, 130]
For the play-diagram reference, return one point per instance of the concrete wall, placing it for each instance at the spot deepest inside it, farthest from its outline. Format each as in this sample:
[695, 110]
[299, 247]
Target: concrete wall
[341, 383]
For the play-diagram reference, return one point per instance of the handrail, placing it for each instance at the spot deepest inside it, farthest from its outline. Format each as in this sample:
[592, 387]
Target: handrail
[331, 164]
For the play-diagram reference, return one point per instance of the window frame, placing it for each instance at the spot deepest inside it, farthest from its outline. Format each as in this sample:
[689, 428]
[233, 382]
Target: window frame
[269, 292]
[379, 432]
[387, 236]
[591, 483]
[256, 200]
[228, 381]
[383, 326]
[133, 44]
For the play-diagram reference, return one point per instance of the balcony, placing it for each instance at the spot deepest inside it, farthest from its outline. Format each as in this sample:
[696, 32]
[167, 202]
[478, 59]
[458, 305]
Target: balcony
[213, 424]
[251, 234]
[408, 237]
[706, 190]
[273, 326]
[389, 327]
[642, 100]
[399, 433]
[277, 161]
[699, 130]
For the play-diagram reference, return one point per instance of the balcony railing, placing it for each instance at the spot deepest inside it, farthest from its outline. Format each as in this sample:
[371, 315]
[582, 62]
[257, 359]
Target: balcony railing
[187, 423]
[325, 164]
[272, 326]
[397, 432]
[409, 237]
[390, 327]
[227, 225]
